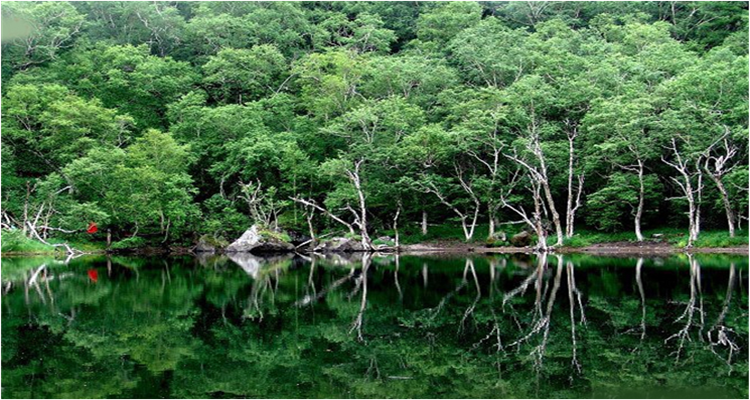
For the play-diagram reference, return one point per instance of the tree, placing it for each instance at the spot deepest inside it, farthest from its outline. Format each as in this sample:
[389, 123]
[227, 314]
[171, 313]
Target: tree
[623, 128]
[38, 32]
[255, 73]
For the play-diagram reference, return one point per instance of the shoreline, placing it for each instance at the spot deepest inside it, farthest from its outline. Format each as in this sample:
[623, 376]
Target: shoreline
[602, 249]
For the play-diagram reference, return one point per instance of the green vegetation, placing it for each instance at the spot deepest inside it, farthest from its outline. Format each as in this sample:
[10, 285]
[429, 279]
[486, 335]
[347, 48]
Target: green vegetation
[16, 242]
[673, 236]
[167, 121]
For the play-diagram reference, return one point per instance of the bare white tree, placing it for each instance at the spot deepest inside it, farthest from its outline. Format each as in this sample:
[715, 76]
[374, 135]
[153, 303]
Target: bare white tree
[691, 191]
[262, 205]
[359, 216]
[534, 221]
[492, 146]
[717, 166]
[572, 205]
[537, 172]
[468, 216]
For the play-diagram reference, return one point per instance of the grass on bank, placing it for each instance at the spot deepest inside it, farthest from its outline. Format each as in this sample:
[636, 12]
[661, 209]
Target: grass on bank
[14, 241]
[675, 236]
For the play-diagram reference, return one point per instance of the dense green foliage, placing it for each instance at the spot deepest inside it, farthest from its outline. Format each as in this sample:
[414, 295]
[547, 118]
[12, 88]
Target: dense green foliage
[171, 120]
[187, 328]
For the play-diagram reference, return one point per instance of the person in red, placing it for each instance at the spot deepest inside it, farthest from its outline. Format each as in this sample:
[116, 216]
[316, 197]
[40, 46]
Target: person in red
[92, 228]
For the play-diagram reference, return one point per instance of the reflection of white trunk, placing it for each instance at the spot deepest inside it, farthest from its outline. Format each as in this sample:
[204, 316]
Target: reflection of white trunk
[395, 278]
[534, 277]
[315, 296]
[358, 320]
[720, 335]
[572, 294]
[541, 322]
[470, 310]
[639, 282]
[694, 304]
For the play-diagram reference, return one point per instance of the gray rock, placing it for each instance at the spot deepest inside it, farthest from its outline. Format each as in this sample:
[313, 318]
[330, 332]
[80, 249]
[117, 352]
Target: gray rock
[253, 241]
[339, 244]
[522, 239]
[500, 235]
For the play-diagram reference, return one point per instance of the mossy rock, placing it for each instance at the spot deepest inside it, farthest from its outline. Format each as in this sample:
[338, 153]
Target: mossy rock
[210, 244]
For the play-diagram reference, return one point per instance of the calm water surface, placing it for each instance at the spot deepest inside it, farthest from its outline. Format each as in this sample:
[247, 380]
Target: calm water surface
[381, 326]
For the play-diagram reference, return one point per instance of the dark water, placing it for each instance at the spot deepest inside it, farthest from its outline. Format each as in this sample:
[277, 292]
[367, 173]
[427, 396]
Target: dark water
[424, 327]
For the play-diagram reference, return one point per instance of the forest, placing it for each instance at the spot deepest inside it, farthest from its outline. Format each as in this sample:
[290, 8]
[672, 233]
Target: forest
[162, 122]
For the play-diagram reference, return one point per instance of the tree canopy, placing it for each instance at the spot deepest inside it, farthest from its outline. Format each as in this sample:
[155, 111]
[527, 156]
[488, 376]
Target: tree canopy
[153, 118]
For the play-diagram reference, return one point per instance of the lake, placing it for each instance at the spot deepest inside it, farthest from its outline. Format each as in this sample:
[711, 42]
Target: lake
[412, 326]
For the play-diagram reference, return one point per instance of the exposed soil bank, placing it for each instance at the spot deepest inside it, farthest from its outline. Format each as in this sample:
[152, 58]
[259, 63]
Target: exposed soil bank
[613, 248]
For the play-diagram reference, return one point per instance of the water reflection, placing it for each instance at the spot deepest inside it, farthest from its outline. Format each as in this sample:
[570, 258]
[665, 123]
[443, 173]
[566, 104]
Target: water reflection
[365, 325]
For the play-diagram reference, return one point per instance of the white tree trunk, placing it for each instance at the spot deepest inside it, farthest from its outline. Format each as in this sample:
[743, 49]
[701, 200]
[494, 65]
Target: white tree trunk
[362, 222]
[492, 223]
[424, 222]
[641, 200]
[571, 209]
[720, 168]
[686, 186]
[544, 179]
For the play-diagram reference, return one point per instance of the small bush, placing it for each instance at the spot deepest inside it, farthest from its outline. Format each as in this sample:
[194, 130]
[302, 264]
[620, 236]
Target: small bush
[214, 241]
[495, 242]
[279, 236]
[378, 242]
[129, 243]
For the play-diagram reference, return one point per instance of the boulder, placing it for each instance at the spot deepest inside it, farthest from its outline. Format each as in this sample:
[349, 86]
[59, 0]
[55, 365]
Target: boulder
[522, 239]
[340, 245]
[259, 242]
[500, 235]
[498, 239]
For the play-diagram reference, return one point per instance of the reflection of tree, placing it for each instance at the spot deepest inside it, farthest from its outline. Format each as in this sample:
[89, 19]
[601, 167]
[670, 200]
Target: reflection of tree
[573, 290]
[182, 329]
[720, 335]
[695, 303]
[361, 283]
[540, 324]
[639, 282]
[470, 310]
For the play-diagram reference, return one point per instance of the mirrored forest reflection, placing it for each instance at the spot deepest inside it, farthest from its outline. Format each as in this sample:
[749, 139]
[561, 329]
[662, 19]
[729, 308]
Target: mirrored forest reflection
[375, 325]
